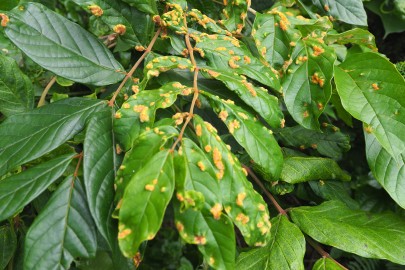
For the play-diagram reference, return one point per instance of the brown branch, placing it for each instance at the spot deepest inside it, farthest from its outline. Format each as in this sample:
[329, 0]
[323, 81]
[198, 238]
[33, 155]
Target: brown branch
[41, 101]
[80, 157]
[322, 252]
[131, 72]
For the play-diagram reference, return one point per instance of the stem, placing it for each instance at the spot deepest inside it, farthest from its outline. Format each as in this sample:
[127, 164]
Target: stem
[41, 101]
[80, 156]
[129, 74]
[322, 252]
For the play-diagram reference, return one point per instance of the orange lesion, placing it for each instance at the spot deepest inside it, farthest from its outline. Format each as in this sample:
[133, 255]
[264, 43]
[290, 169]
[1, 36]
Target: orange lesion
[375, 86]
[96, 10]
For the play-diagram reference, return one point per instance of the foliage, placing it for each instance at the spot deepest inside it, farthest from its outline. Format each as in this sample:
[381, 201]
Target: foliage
[167, 136]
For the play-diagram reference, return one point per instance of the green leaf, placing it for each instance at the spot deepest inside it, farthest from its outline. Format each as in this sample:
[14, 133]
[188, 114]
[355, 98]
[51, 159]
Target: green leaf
[62, 46]
[16, 91]
[326, 264]
[148, 6]
[307, 82]
[354, 36]
[285, 250]
[27, 136]
[99, 164]
[63, 231]
[144, 203]
[330, 142]
[138, 112]
[372, 90]
[241, 202]
[257, 140]
[334, 190]
[303, 169]
[348, 11]
[20, 189]
[235, 13]
[380, 236]
[118, 12]
[8, 245]
[8, 5]
[392, 22]
[388, 172]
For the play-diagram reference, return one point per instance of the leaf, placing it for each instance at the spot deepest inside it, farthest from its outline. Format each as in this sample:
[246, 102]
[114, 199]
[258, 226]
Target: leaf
[348, 11]
[303, 169]
[16, 91]
[285, 250]
[326, 264]
[354, 36]
[27, 136]
[63, 230]
[379, 236]
[307, 82]
[334, 190]
[388, 172]
[148, 6]
[330, 142]
[235, 13]
[241, 202]
[99, 164]
[8, 245]
[20, 189]
[144, 203]
[257, 140]
[392, 22]
[62, 46]
[8, 5]
[118, 12]
[138, 112]
[372, 90]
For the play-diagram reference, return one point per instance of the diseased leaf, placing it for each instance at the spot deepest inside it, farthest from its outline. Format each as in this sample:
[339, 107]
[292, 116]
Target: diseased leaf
[63, 231]
[303, 169]
[8, 245]
[16, 91]
[354, 36]
[241, 202]
[61, 46]
[148, 6]
[372, 90]
[257, 140]
[144, 203]
[285, 250]
[27, 136]
[99, 165]
[307, 82]
[386, 170]
[380, 236]
[326, 264]
[348, 11]
[138, 112]
[115, 13]
[20, 189]
[235, 13]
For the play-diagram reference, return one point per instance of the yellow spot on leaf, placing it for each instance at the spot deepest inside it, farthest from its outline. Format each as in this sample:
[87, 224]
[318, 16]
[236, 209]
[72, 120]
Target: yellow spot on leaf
[96, 10]
[120, 29]
[200, 240]
[207, 148]
[198, 130]
[216, 211]
[149, 187]
[124, 233]
[242, 218]
[375, 86]
[223, 115]
[239, 199]
[201, 165]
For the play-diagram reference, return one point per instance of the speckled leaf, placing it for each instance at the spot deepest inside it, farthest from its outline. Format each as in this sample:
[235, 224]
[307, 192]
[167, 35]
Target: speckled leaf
[16, 91]
[330, 142]
[348, 11]
[257, 98]
[20, 189]
[257, 140]
[241, 202]
[63, 231]
[8, 245]
[61, 46]
[373, 91]
[326, 264]
[307, 82]
[138, 112]
[118, 12]
[207, 227]
[380, 236]
[285, 250]
[388, 172]
[29, 135]
[235, 13]
[354, 36]
[144, 203]
[303, 169]
[148, 6]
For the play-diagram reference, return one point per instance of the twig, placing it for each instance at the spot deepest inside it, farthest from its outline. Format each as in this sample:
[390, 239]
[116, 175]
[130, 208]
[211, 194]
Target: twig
[80, 156]
[129, 74]
[112, 45]
[41, 101]
[322, 252]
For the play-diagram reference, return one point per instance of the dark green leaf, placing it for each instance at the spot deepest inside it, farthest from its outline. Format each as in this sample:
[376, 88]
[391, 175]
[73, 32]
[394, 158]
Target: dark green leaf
[8, 245]
[9, 4]
[285, 250]
[326, 264]
[144, 203]
[62, 46]
[388, 172]
[380, 236]
[16, 91]
[63, 231]
[392, 22]
[27, 136]
[303, 169]
[372, 90]
[334, 190]
[99, 165]
[348, 11]
[20, 189]
[148, 6]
